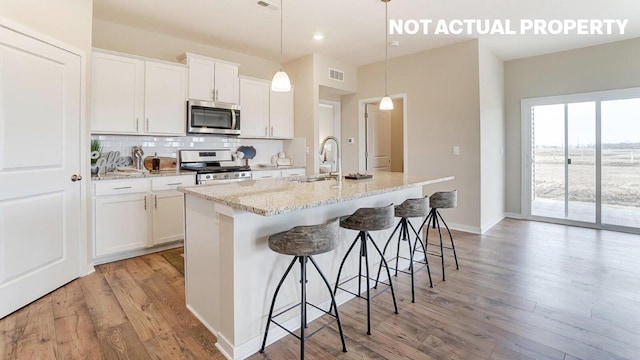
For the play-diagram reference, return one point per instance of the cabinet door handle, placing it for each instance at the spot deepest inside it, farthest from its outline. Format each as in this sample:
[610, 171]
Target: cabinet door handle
[216, 94]
[265, 131]
[122, 188]
[137, 122]
[145, 203]
[155, 201]
[272, 131]
[174, 184]
[147, 125]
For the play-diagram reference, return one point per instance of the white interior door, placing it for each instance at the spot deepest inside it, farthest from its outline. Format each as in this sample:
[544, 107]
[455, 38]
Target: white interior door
[40, 94]
[378, 129]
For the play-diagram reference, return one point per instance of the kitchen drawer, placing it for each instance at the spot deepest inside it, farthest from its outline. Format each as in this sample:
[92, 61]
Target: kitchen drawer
[269, 174]
[293, 172]
[116, 187]
[172, 182]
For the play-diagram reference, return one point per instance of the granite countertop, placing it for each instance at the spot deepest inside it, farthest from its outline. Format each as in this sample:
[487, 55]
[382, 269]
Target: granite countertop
[142, 175]
[279, 196]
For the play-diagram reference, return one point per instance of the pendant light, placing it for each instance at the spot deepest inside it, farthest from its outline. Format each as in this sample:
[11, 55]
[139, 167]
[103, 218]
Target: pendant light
[386, 103]
[281, 82]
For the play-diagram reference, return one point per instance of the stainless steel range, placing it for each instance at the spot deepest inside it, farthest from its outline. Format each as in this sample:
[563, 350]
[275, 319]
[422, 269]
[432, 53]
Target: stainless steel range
[214, 166]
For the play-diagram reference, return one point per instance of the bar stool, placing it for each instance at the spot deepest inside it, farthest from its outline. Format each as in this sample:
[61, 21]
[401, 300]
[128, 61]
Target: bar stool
[440, 200]
[365, 220]
[410, 208]
[303, 242]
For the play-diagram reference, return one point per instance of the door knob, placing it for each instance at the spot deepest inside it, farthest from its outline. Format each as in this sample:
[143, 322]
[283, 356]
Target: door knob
[75, 177]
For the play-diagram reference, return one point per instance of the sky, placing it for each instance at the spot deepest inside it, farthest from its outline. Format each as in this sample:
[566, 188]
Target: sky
[620, 123]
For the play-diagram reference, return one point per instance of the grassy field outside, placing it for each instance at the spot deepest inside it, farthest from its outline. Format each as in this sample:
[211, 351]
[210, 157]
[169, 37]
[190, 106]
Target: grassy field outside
[620, 175]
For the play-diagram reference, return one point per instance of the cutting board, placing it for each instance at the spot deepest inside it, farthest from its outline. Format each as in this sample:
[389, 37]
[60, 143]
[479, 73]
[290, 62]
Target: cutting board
[166, 163]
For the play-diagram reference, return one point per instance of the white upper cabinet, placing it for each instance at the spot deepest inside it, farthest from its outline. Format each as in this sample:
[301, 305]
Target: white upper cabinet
[165, 98]
[265, 113]
[254, 102]
[281, 114]
[226, 83]
[133, 96]
[117, 94]
[211, 79]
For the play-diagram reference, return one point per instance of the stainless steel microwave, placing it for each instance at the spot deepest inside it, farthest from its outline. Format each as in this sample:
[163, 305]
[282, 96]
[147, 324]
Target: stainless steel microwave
[205, 117]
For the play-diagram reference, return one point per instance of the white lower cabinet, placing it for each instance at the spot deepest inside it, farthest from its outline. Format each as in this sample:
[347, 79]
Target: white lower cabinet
[121, 223]
[168, 217]
[275, 174]
[138, 213]
[293, 172]
[266, 174]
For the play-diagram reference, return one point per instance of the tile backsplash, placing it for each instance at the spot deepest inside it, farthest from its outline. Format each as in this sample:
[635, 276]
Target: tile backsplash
[169, 146]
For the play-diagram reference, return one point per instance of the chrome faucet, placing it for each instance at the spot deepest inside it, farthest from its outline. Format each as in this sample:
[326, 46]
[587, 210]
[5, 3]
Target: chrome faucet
[338, 172]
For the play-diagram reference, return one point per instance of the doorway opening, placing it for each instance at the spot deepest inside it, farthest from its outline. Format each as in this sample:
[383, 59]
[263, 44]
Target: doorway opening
[329, 125]
[581, 162]
[383, 145]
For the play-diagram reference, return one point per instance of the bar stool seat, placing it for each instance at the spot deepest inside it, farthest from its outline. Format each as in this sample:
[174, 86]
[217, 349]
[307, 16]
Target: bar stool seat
[303, 242]
[363, 221]
[440, 200]
[410, 208]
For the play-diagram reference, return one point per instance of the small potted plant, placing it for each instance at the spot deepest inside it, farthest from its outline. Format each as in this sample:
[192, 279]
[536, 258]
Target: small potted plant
[96, 149]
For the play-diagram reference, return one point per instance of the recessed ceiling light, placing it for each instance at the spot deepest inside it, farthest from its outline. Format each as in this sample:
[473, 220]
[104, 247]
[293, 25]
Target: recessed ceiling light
[318, 36]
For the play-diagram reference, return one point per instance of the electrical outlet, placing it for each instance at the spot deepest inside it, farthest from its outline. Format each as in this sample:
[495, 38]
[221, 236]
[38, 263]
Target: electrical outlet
[456, 150]
[351, 141]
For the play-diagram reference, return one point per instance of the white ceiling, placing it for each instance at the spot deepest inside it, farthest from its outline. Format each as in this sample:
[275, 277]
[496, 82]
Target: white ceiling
[354, 29]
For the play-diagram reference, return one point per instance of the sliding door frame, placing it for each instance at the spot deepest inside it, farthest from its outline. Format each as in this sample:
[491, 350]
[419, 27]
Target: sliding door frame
[526, 149]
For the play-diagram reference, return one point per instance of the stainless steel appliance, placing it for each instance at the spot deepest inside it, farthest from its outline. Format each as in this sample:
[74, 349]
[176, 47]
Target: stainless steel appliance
[214, 166]
[204, 117]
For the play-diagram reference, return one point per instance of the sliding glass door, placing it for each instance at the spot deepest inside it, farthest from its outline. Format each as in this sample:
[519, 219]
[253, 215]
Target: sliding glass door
[621, 162]
[581, 159]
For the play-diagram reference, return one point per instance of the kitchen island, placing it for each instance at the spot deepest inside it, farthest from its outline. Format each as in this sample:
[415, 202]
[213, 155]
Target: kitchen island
[231, 274]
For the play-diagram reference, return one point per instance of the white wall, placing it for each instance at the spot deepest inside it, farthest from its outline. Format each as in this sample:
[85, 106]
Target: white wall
[602, 67]
[66, 20]
[397, 136]
[443, 109]
[130, 40]
[492, 137]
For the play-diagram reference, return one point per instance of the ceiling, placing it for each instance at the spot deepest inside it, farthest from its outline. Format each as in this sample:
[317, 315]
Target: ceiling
[354, 30]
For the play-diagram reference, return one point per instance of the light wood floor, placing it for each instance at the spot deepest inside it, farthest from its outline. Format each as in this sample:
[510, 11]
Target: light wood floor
[525, 290]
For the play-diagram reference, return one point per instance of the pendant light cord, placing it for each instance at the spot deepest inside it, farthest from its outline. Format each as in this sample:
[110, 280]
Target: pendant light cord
[386, 44]
[281, 26]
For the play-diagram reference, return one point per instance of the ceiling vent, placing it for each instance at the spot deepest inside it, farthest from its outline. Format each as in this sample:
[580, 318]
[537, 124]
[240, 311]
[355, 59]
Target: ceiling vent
[268, 4]
[335, 74]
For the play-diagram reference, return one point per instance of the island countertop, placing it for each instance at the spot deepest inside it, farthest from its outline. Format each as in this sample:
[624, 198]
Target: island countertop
[279, 196]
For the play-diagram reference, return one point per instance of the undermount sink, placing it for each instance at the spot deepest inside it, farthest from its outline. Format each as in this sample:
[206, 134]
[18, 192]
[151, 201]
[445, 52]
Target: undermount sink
[312, 178]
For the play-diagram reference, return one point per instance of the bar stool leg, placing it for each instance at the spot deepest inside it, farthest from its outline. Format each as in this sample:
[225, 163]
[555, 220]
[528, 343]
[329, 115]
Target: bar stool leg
[401, 236]
[413, 291]
[415, 246]
[386, 266]
[436, 222]
[453, 247]
[303, 302]
[366, 263]
[385, 251]
[273, 303]
[333, 302]
[344, 259]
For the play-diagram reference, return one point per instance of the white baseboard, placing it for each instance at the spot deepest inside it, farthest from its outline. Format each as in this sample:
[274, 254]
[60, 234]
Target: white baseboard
[513, 215]
[464, 228]
[133, 253]
[485, 228]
